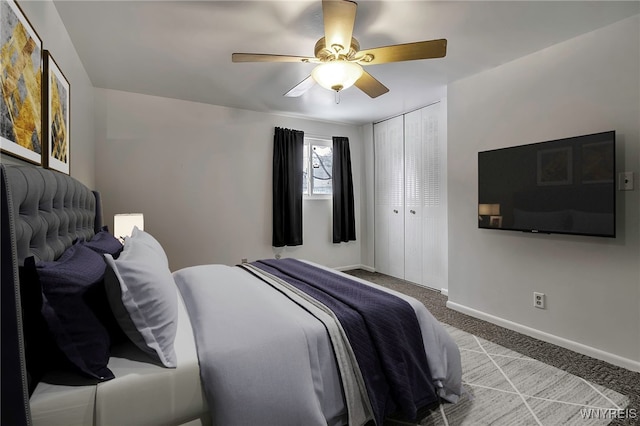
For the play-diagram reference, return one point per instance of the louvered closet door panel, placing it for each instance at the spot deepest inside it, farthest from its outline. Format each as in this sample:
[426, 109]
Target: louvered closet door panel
[389, 184]
[413, 160]
[434, 219]
[382, 200]
[396, 192]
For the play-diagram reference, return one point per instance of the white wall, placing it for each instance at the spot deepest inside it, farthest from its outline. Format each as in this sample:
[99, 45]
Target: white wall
[44, 17]
[201, 174]
[585, 85]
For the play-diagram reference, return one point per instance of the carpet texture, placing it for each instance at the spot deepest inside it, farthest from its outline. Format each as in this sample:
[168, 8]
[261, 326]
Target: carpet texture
[477, 337]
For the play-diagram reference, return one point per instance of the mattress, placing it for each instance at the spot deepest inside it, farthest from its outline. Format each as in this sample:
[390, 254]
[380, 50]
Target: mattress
[142, 393]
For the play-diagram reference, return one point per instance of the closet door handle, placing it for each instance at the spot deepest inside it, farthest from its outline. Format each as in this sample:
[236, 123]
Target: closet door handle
[412, 211]
[395, 210]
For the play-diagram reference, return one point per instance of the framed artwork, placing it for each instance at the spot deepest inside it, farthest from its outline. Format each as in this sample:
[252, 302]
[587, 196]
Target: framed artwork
[56, 114]
[597, 162]
[555, 166]
[20, 81]
[495, 221]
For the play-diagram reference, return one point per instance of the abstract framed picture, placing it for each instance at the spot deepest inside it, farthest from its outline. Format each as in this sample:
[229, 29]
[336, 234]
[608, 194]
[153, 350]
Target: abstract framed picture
[555, 166]
[597, 162]
[56, 113]
[20, 81]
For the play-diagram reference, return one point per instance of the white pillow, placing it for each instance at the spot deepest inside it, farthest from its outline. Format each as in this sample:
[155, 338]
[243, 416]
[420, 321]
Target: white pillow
[149, 240]
[143, 298]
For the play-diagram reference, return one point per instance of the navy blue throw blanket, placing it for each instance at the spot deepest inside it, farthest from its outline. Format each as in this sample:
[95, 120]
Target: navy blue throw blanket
[383, 332]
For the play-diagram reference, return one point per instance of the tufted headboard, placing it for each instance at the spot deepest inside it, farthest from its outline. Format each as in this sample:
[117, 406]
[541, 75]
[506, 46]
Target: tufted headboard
[43, 212]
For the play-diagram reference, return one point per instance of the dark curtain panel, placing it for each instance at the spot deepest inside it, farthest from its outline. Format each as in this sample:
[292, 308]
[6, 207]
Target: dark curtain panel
[288, 147]
[344, 221]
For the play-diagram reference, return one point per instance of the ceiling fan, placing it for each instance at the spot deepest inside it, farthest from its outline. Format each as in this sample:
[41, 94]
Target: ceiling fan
[340, 58]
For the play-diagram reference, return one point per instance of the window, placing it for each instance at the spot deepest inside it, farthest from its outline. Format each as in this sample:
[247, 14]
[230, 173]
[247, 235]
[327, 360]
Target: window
[318, 161]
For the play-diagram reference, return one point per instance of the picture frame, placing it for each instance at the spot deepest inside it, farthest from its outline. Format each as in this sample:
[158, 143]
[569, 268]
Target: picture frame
[56, 112]
[20, 80]
[555, 166]
[495, 221]
[597, 162]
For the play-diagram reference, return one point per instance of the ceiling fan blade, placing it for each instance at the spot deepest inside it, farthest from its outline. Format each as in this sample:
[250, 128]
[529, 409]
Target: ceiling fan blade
[263, 57]
[300, 88]
[339, 17]
[404, 52]
[370, 85]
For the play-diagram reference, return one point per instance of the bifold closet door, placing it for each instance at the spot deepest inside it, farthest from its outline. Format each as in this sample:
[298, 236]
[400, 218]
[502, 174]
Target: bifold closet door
[434, 197]
[389, 197]
[425, 225]
[413, 191]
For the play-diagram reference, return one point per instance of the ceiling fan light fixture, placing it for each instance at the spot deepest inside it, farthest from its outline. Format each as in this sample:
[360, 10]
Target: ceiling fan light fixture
[337, 75]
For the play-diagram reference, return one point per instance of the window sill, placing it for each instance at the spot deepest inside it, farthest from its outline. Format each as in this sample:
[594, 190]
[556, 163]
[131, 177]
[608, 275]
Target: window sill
[317, 197]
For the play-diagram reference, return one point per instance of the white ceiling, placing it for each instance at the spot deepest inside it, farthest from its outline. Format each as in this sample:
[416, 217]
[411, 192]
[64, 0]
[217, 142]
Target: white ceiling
[182, 49]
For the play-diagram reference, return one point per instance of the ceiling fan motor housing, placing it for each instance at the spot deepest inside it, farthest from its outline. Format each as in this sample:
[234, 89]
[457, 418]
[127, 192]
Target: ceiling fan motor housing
[329, 53]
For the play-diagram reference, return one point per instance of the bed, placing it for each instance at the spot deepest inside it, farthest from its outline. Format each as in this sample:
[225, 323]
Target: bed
[257, 343]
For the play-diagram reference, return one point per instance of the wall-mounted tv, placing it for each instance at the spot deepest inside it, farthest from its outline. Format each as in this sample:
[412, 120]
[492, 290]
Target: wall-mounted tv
[564, 186]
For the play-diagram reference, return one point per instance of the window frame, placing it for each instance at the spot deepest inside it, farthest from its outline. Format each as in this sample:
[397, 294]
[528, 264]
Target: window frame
[309, 143]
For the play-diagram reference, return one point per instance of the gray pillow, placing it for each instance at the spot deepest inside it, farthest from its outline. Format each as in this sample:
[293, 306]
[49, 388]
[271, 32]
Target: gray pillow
[143, 297]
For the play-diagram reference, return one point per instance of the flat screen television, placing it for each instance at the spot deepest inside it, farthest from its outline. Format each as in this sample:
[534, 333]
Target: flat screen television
[564, 186]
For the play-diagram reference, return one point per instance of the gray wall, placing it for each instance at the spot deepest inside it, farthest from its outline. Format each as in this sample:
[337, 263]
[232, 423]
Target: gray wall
[44, 17]
[201, 174]
[581, 86]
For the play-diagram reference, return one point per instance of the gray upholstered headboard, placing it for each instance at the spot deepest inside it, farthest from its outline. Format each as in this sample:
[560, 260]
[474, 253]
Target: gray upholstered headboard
[43, 212]
[49, 211]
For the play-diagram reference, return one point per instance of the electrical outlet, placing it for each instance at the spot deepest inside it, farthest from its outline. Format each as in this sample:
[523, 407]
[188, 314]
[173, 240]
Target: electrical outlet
[538, 300]
[244, 260]
[625, 181]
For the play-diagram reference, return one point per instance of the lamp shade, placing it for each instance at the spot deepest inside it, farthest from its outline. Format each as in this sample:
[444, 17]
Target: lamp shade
[337, 75]
[489, 209]
[123, 224]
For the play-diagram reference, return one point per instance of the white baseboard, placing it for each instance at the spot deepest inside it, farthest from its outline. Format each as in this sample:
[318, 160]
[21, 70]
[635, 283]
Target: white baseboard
[444, 292]
[627, 363]
[352, 267]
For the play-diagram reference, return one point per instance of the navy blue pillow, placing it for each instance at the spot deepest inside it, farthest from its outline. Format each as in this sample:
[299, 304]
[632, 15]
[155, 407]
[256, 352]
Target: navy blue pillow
[41, 351]
[68, 286]
[103, 242]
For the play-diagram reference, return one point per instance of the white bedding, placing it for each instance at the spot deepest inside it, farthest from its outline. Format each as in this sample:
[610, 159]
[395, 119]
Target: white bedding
[141, 394]
[270, 362]
[276, 365]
